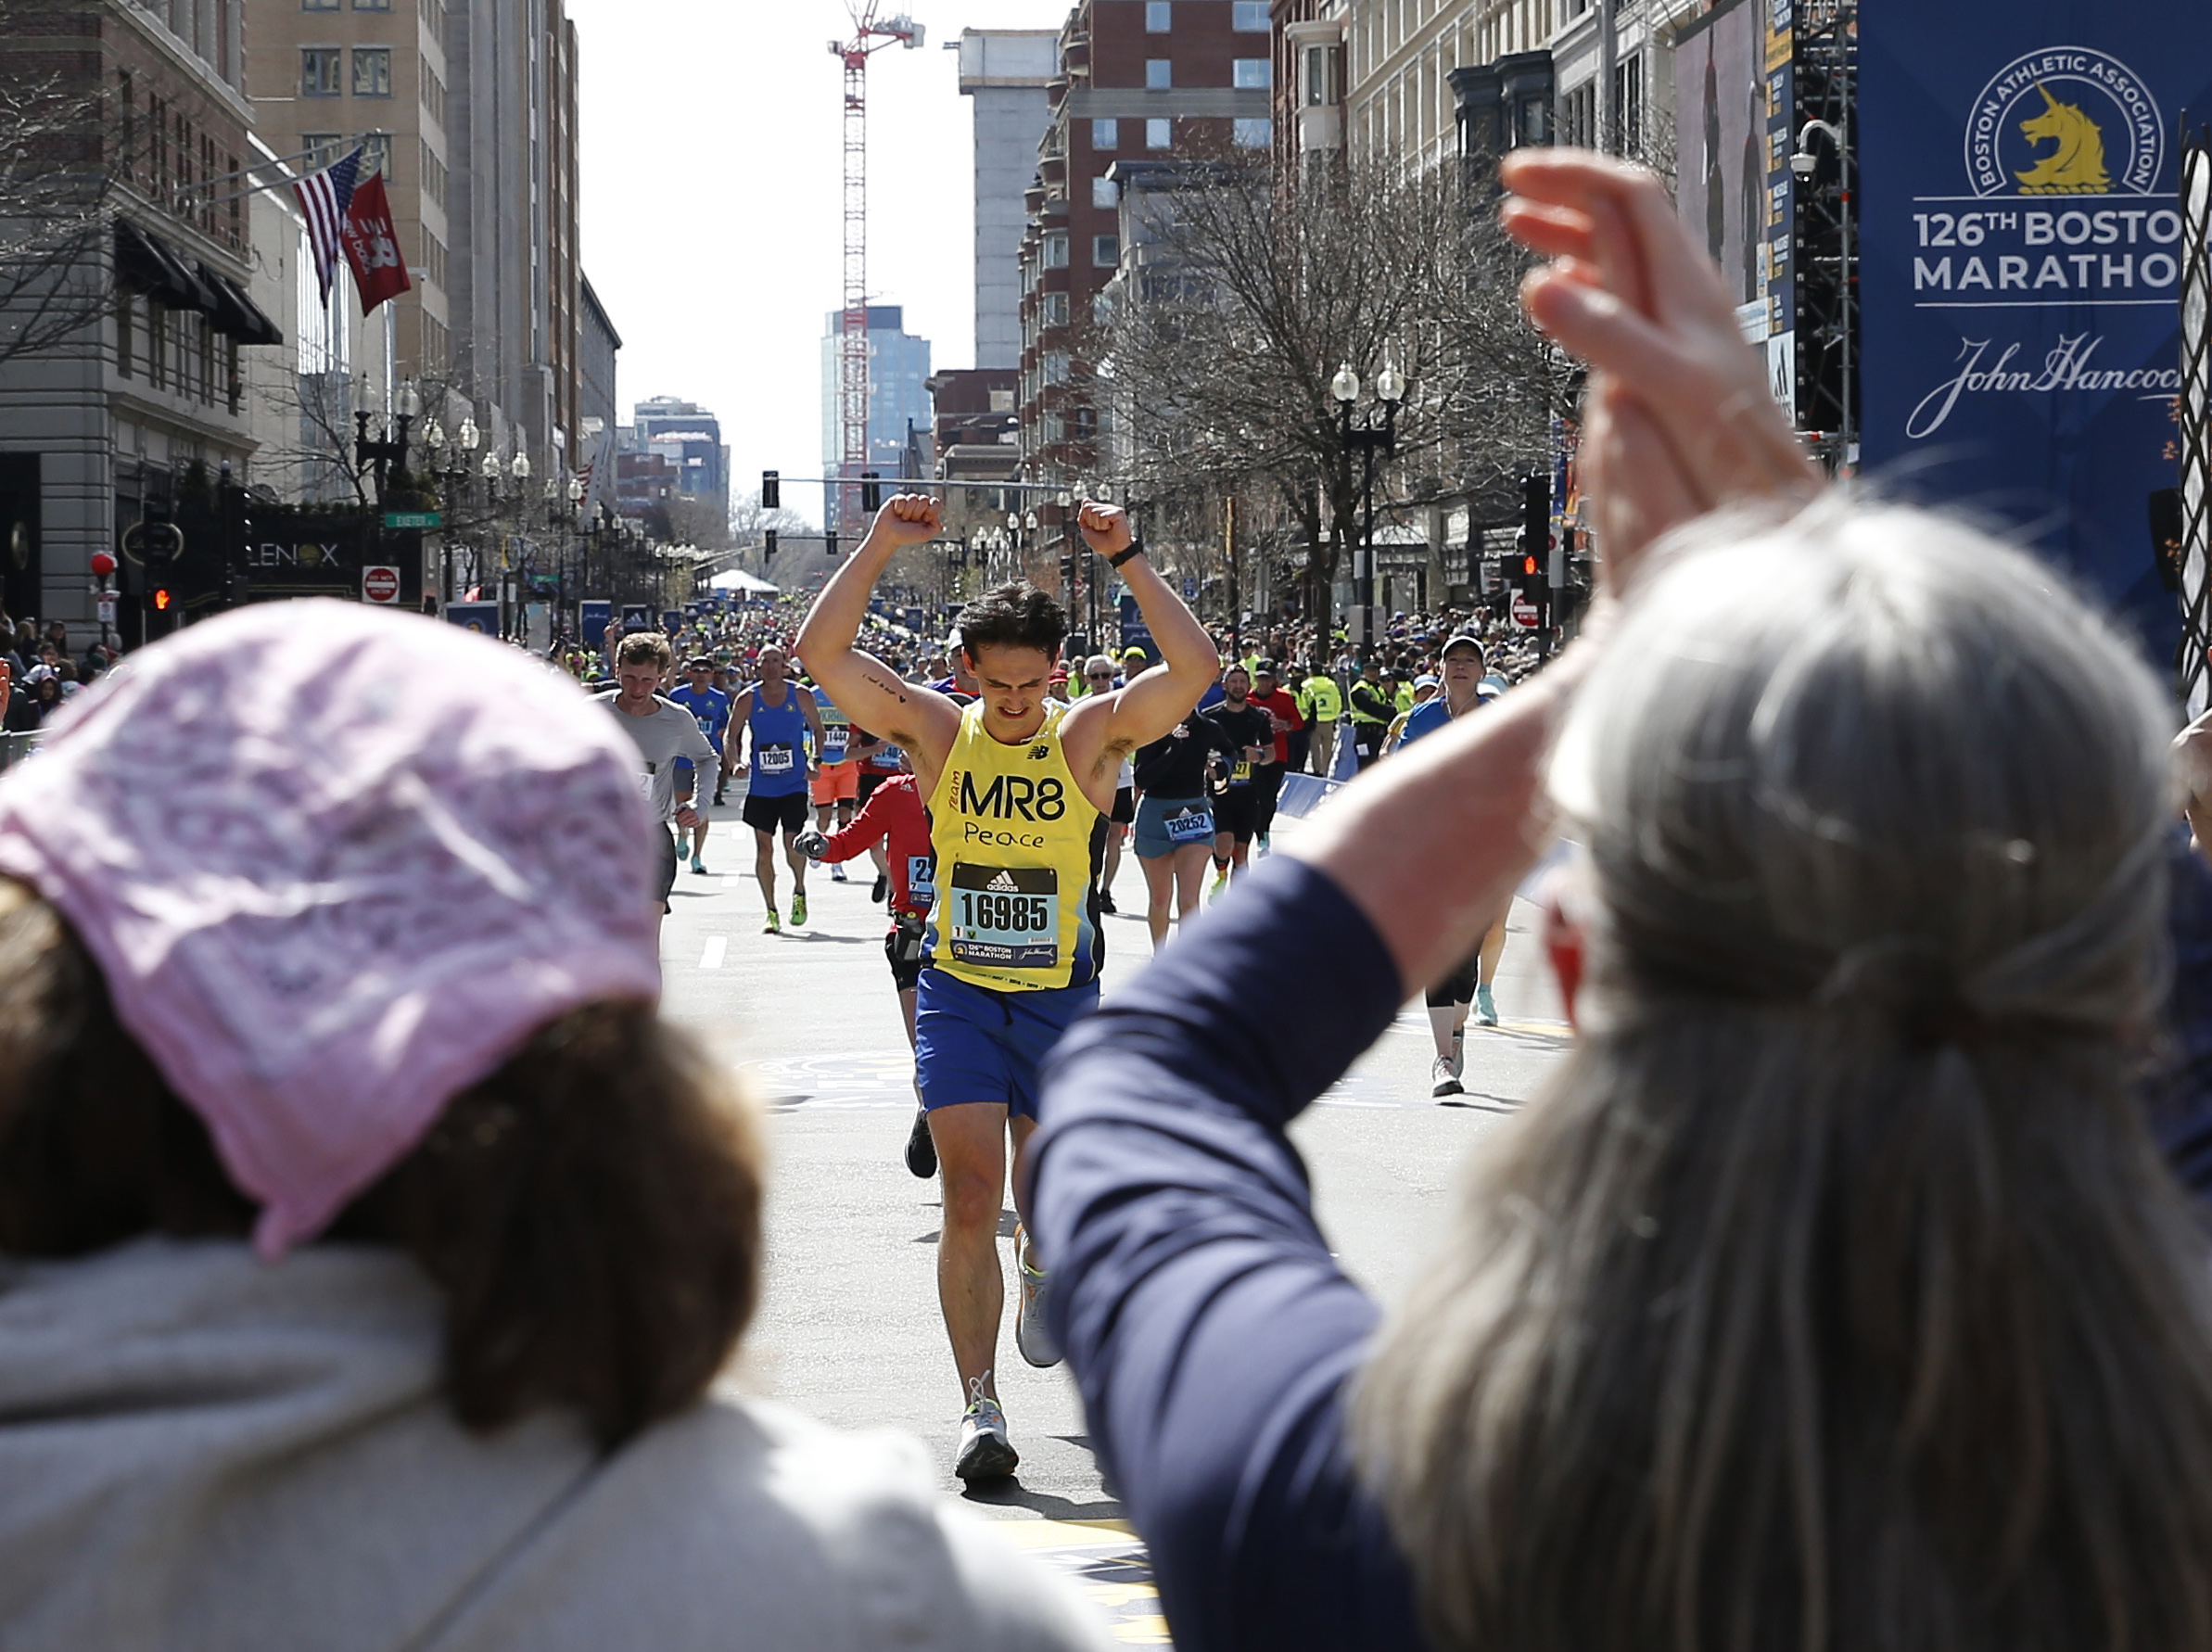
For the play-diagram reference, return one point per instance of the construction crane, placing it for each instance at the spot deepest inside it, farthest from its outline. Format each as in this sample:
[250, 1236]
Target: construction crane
[869, 36]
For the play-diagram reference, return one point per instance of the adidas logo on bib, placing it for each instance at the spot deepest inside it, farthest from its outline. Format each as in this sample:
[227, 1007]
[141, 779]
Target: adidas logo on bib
[1003, 884]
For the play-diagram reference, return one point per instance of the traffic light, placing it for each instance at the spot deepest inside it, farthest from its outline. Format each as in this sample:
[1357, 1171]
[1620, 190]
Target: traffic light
[162, 598]
[871, 493]
[772, 490]
[767, 546]
[1536, 514]
[830, 545]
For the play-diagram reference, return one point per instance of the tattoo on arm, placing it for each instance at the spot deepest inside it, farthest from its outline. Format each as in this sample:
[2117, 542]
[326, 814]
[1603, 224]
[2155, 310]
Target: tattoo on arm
[896, 690]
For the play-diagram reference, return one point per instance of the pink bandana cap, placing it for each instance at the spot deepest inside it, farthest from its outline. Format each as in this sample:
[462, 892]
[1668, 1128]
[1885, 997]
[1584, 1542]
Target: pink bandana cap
[337, 865]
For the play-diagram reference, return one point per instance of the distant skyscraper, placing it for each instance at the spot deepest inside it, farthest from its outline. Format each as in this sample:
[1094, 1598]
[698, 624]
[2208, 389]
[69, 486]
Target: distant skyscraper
[897, 391]
[1006, 71]
[690, 438]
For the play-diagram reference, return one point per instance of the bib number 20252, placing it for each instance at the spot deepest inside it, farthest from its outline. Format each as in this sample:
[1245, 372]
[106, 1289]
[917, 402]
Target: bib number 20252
[1005, 917]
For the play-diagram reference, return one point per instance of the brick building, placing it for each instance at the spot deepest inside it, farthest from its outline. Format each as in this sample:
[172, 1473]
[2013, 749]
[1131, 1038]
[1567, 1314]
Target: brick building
[1154, 80]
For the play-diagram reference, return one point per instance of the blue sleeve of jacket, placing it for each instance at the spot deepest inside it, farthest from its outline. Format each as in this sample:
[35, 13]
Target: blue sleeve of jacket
[1212, 1334]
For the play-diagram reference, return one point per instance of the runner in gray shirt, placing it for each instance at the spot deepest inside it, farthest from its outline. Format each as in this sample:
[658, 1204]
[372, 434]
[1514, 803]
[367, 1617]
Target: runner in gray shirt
[663, 731]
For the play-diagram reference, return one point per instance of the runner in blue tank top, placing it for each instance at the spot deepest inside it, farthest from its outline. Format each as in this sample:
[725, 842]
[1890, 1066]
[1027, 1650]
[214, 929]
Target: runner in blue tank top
[777, 717]
[710, 706]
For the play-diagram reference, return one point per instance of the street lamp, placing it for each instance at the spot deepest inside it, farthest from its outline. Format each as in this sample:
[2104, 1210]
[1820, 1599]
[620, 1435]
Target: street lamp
[1368, 437]
[1803, 163]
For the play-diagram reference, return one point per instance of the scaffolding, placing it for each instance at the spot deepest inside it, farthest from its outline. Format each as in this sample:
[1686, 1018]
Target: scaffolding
[2193, 414]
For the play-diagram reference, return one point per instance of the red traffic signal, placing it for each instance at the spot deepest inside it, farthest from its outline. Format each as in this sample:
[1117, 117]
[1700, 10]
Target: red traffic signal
[1528, 567]
[161, 599]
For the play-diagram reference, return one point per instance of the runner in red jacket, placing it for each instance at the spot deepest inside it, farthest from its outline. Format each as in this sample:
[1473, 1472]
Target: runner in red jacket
[894, 817]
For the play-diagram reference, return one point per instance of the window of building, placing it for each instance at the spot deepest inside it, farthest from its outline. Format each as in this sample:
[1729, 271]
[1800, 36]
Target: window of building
[1105, 194]
[376, 154]
[1105, 251]
[1056, 366]
[1159, 16]
[1159, 134]
[434, 258]
[1253, 131]
[1056, 429]
[1578, 116]
[372, 71]
[320, 150]
[1628, 104]
[1323, 75]
[1052, 309]
[1159, 74]
[1253, 74]
[372, 5]
[434, 171]
[319, 71]
[1056, 250]
[1106, 134]
[320, 4]
[126, 309]
[1249, 17]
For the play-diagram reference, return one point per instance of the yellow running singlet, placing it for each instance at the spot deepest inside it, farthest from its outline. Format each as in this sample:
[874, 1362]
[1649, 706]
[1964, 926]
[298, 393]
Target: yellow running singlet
[1018, 847]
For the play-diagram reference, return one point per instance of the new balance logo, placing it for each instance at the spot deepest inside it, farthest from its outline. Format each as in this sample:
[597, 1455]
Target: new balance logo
[1038, 754]
[1003, 884]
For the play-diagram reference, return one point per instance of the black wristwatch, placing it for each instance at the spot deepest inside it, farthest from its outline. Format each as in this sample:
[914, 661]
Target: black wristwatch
[1135, 548]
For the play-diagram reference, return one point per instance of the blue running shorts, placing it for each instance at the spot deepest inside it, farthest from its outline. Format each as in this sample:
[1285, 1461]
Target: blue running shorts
[972, 1043]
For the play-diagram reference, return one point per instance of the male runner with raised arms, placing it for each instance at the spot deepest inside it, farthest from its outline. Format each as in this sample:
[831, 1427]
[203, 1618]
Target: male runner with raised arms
[778, 715]
[1018, 791]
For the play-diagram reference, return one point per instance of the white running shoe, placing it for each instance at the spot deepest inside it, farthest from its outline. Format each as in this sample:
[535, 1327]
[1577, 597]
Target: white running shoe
[1442, 1080]
[1030, 1334]
[986, 1453]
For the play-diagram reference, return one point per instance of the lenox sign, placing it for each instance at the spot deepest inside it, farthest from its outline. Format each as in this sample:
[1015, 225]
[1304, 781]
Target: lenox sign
[2020, 266]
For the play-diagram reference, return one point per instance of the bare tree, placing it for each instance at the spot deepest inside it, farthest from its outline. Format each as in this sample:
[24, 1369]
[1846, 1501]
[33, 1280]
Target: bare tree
[1248, 292]
[63, 158]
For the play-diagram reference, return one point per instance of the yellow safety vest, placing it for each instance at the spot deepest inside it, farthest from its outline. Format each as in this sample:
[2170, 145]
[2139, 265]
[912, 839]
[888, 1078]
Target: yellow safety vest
[1320, 700]
[1018, 848]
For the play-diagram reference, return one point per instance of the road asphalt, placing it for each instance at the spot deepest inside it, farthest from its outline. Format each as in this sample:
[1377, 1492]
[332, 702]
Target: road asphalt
[849, 1329]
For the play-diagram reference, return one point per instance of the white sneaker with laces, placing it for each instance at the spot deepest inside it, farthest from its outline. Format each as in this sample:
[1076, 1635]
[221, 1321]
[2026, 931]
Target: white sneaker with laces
[1444, 1080]
[1030, 1334]
[984, 1452]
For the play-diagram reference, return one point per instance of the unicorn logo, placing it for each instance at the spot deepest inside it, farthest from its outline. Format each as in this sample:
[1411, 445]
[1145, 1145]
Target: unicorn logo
[2076, 166]
[2064, 120]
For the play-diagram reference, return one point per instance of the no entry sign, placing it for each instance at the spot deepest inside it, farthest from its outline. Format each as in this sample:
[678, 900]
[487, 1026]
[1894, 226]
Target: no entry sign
[1525, 613]
[380, 584]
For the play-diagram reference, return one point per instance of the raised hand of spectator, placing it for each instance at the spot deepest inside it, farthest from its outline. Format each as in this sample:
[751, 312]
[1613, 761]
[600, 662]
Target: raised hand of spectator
[1679, 421]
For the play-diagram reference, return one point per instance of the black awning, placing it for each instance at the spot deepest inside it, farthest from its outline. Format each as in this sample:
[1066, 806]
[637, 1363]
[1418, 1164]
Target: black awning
[237, 314]
[264, 330]
[150, 264]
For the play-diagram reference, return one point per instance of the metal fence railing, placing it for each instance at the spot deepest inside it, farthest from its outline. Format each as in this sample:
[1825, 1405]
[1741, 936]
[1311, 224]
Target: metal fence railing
[14, 748]
[2193, 416]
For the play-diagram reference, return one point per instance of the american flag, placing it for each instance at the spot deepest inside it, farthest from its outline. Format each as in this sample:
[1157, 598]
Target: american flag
[323, 198]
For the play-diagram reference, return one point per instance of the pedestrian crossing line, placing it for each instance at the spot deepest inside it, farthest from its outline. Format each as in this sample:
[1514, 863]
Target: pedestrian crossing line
[1110, 1566]
[718, 947]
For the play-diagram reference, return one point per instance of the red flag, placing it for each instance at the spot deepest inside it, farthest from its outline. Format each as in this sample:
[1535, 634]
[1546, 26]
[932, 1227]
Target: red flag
[372, 245]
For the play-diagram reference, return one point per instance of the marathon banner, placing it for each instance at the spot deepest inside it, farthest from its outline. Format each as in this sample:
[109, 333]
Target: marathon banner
[2020, 269]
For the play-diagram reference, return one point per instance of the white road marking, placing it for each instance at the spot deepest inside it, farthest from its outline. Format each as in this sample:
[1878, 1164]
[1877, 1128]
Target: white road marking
[716, 947]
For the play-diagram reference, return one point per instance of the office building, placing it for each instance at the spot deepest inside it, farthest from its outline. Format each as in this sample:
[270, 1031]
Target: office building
[898, 398]
[1005, 73]
[470, 111]
[1151, 80]
[137, 405]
